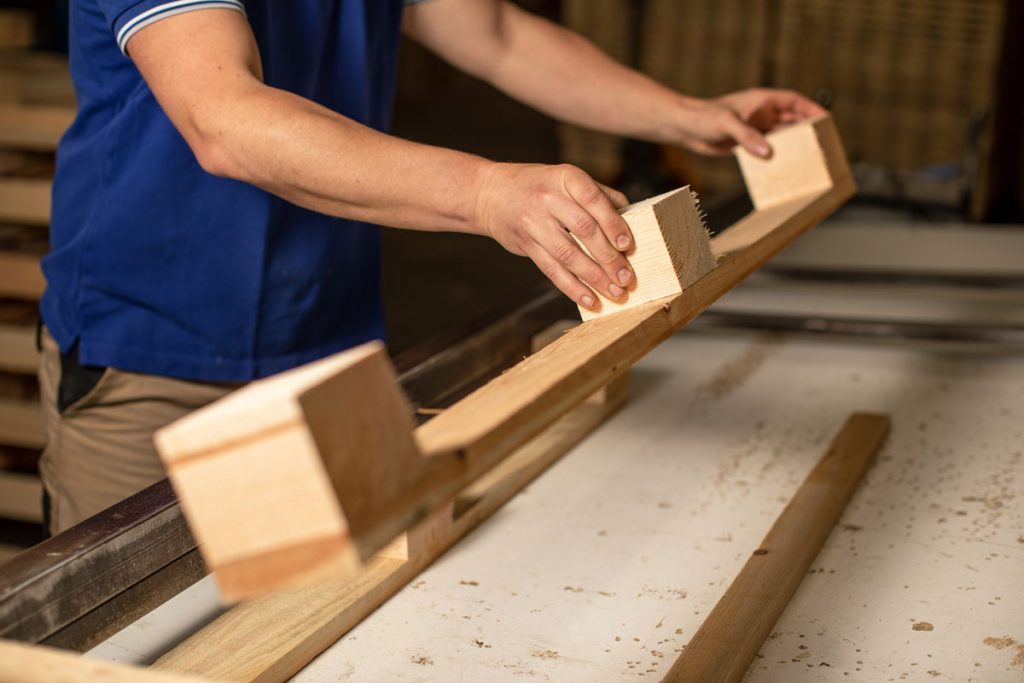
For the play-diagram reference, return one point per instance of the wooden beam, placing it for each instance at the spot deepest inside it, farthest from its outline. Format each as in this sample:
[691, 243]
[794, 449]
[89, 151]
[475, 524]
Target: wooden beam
[25, 200]
[20, 276]
[37, 128]
[725, 644]
[382, 483]
[21, 424]
[20, 663]
[21, 497]
[18, 352]
[273, 637]
[671, 250]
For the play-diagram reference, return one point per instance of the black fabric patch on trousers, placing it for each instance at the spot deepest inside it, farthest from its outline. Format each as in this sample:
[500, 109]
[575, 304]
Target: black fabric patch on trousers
[76, 380]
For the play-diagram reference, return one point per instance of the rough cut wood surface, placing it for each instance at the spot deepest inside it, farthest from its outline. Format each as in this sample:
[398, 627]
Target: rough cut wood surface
[671, 250]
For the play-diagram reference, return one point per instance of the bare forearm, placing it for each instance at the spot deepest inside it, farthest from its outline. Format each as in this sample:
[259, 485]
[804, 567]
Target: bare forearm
[580, 83]
[323, 161]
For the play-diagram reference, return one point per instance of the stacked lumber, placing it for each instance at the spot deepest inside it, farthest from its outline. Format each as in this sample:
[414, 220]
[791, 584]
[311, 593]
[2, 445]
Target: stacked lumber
[912, 84]
[34, 113]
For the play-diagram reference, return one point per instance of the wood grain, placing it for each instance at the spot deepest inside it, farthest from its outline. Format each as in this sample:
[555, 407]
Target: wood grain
[670, 251]
[725, 644]
[21, 663]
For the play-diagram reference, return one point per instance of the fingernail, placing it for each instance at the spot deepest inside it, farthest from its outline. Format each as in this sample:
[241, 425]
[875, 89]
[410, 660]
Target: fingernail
[764, 150]
[623, 241]
[625, 275]
[615, 290]
[587, 301]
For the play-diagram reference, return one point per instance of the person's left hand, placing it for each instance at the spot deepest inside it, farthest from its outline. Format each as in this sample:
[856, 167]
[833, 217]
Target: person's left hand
[714, 127]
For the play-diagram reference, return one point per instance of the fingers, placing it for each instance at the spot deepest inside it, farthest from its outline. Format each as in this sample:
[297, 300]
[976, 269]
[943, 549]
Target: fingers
[568, 254]
[619, 199]
[598, 203]
[587, 230]
[750, 138]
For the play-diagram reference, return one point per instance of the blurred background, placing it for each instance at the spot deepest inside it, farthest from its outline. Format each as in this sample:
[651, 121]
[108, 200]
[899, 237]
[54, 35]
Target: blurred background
[927, 95]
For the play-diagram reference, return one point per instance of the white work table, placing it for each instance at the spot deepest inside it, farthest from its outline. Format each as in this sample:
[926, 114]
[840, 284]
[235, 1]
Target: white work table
[605, 566]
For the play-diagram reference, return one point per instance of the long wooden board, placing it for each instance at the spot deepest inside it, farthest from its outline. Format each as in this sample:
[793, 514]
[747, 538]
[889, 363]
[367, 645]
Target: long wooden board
[21, 276]
[18, 349]
[33, 127]
[25, 201]
[21, 423]
[272, 638]
[21, 497]
[725, 644]
[38, 664]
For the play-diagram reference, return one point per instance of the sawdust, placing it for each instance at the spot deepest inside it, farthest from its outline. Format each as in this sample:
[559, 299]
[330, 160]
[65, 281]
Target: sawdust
[734, 373]
[545, 654]
[922, 626]
[1008, 643]
[469, 583]
[423, 660]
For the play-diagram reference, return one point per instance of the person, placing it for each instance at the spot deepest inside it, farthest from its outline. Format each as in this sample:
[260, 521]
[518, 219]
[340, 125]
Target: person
[216, 196]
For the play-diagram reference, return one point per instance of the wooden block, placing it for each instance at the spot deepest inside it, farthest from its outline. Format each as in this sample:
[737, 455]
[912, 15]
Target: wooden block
[20, 663]
[20, 276]
[734, 631]
[33, 127]
[25, 201]
[257, 472]
[21, 423]
[807, 157]
[21, 497]
[671, 250]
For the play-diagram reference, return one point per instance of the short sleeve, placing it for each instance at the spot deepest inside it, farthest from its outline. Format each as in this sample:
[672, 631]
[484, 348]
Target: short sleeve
[127, 17]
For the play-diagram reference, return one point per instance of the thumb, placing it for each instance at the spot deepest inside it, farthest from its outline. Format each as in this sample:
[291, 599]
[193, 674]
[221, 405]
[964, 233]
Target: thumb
[749, 138]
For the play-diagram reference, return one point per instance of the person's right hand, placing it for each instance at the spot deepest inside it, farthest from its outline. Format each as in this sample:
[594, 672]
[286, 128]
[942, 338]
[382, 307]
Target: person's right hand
[531, 209]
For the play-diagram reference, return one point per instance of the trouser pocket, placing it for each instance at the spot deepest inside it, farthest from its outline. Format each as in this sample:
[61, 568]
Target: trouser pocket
[76, 380]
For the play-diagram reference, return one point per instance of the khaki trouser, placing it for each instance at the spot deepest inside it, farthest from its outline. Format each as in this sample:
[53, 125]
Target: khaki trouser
[99, 449]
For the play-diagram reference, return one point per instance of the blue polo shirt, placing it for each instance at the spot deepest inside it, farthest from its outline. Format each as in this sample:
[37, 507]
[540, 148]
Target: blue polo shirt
[157, 266]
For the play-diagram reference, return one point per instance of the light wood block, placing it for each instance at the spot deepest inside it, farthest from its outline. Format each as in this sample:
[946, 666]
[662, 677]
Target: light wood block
[21, 276]
[21, 497]
[20, 663]
[36, 128]
[21, 424]
[258, 472]
[25, 201]
[807, 157]
[724, 646]
[671, 250]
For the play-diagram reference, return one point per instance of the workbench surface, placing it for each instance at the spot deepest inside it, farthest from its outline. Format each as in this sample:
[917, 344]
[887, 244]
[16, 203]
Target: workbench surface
[605, 567]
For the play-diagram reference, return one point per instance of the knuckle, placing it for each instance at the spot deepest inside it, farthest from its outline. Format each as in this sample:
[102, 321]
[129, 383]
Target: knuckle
[584, 227]
[564, 252]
